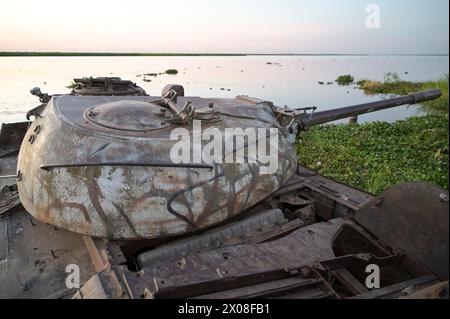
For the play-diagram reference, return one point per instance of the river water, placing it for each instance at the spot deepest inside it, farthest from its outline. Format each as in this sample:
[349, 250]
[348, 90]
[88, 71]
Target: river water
[287, 80]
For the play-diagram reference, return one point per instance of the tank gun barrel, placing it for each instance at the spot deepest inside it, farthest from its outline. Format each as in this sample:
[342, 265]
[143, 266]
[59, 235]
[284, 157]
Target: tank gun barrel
[306, 120]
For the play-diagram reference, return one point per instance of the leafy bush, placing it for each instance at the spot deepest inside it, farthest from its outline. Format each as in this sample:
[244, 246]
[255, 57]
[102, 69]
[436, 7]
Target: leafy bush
[345, 79]
[171, 71]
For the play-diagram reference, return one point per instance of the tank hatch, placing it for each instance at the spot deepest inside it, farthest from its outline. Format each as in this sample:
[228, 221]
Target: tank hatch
[129, 115]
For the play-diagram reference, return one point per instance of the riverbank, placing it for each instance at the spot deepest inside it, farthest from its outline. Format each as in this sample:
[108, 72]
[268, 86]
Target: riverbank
[375, 156]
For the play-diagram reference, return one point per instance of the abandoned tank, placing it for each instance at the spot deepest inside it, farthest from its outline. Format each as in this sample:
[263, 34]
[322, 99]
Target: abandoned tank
[98, 184]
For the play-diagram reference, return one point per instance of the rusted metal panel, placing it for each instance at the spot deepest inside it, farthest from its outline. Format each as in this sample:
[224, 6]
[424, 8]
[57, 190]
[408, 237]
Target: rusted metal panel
[9, 198]
[395, 291]
[310, 288]
[436, 291]
[268, 269]
[239, 265]
[11, 134]
[412, 217]
[103, 285]
[350, 281]
[337, 192]
[92, 289]
[34, 257]
[233, 232]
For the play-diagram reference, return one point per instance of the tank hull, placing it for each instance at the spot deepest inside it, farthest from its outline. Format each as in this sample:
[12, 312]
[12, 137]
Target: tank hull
[312, 238]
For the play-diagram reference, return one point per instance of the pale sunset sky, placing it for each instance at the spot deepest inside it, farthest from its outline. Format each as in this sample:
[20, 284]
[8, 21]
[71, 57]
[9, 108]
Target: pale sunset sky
[224, 26]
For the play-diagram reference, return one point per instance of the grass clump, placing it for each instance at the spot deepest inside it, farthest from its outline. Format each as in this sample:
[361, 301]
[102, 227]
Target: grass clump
[172, 71]
[345, 79]
[393, 85]
[72, 85]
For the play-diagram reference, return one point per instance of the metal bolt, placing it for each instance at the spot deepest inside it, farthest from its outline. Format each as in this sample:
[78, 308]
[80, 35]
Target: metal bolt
[443, 197]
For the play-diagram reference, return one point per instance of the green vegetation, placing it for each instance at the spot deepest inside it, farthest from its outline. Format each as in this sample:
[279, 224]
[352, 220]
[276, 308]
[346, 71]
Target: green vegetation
[345, 79]
[72, 85]
[375, 156]
[393, 85]
[172, 71]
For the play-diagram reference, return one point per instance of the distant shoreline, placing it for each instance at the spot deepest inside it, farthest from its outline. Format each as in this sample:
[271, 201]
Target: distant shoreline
[106, 54]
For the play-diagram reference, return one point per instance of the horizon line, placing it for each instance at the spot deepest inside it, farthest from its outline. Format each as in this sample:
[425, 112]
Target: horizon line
[75, 53]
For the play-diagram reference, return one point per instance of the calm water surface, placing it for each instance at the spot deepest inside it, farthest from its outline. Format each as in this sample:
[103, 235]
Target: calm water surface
[289, 80]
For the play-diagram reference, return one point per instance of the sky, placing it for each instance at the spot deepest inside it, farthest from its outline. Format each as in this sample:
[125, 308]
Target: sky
[225, 26]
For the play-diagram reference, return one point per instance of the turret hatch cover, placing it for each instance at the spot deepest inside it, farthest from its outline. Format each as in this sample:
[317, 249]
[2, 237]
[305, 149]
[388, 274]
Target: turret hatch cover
[129, 115]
